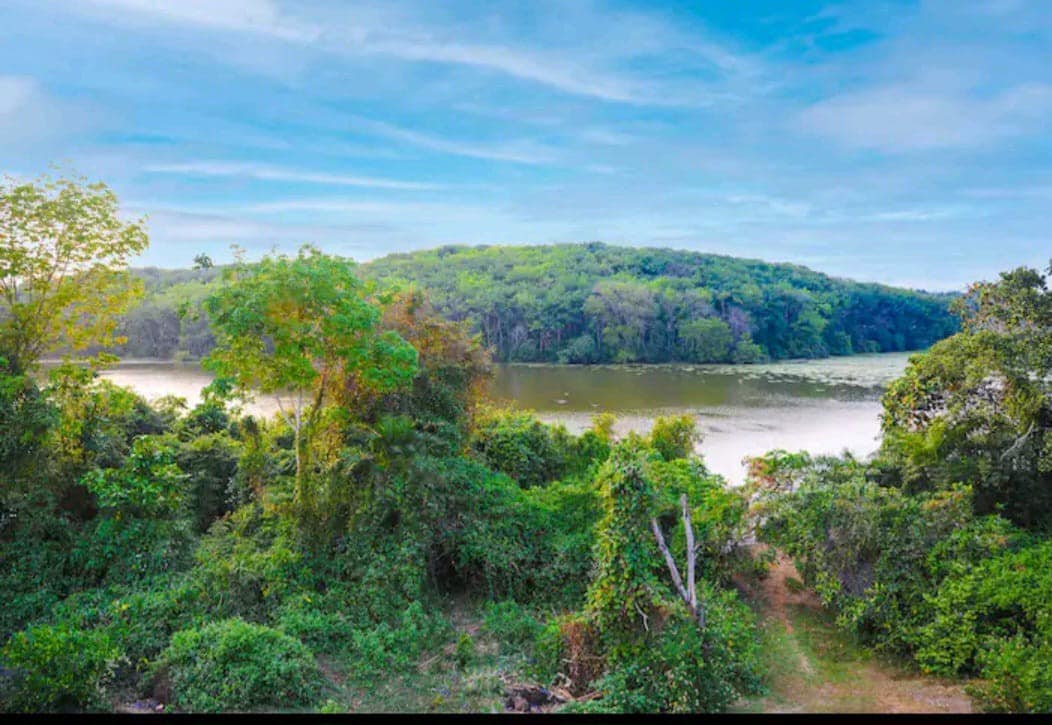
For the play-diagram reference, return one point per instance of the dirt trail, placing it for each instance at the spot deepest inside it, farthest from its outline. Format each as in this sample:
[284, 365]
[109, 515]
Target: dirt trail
[819, 672]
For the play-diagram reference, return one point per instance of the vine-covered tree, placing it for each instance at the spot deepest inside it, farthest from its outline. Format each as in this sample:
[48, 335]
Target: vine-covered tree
[298, 328]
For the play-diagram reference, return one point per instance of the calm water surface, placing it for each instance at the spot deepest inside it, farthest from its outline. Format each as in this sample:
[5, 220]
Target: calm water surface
[823, 406]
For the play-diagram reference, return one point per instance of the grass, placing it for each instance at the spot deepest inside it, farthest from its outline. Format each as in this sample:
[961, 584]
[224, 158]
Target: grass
[456, 678]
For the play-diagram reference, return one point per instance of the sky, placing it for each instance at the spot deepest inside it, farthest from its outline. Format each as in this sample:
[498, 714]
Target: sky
[905, 142]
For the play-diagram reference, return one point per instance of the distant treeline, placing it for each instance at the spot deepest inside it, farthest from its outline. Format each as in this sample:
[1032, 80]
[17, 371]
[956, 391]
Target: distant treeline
[595, 303]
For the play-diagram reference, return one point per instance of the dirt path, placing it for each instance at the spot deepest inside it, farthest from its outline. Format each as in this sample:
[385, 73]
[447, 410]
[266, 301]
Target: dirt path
[815, 669]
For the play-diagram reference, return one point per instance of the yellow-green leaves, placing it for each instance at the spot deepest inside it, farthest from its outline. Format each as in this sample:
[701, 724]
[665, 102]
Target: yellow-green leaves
[64, 254]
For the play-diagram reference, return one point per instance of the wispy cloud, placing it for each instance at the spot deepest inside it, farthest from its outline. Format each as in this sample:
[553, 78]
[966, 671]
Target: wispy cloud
[392, 210]
[247, 16]
[273, 173]
[29, 115]
[375, 29]
[902, 118]
[520, 152]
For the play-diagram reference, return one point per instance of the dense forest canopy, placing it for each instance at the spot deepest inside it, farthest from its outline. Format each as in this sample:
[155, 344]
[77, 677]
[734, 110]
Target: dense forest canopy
[596, 303]
[582, 303]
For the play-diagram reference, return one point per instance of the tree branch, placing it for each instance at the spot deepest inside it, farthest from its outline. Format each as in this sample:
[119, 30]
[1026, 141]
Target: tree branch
[669, 560]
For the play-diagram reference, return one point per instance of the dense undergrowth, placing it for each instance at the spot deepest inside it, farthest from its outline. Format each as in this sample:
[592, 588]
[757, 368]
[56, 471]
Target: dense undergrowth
[168, 558]
[937, 551]
[384, 542]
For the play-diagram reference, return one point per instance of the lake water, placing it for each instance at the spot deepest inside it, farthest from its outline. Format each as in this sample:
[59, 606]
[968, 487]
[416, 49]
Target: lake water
[823, 406]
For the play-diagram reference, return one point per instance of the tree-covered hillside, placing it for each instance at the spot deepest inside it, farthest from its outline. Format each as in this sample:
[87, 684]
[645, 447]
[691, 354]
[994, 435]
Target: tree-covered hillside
[588, 303]
[582, 303]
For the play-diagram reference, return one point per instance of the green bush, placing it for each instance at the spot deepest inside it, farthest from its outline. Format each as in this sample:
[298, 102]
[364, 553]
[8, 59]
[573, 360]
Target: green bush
[323, 631]
[1016, 676]
[56, 668]
[684, 668]
[865, 549]
[125, 550]
[918, 575]
[674, 436]
[978, 609]
[519, 445]
[512, 625]
[233, 666]
[27, 417]
[464, 652]
[388, 648]
[249, 562]
[211, 463]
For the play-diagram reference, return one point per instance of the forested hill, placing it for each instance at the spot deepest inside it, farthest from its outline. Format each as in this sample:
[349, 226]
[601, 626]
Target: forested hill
[583, 303]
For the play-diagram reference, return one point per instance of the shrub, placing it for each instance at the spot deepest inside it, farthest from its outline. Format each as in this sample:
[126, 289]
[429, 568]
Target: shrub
[322, 631]
[1017, 676]
[124, 550]
[991, 610]
[57, 668]
[865, 549]
[674, 437]
[683, 668]
[211, 465]
[511, 624]
[464, 652]
[233, 665]
[27, 416]
[519, 445]
[385, 649]
[148, 483]
[249, 562]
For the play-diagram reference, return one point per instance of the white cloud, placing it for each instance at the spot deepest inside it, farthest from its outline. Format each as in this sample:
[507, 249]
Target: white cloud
[520, 152]
[385, 210]
[30, 116]
[250, 16]
[900, 118]
[15, 94]
[379, 29]
[272, 173]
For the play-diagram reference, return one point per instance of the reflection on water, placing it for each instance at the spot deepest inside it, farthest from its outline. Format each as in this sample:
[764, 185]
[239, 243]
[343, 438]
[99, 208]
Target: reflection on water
[824, 406]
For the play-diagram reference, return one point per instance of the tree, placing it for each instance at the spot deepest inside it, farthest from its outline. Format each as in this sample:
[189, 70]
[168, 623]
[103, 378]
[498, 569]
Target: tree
[298, 328]
[977, 408]
[706, 340]
[64, 254]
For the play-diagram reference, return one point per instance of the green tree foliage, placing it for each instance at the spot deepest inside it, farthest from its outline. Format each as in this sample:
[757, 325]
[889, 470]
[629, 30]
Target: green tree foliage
[234, 665]
[635, 641]
[518, 444]
[920, 576]
[674, 437]
[56, 668]
[585, 303]
[148, 484]
[27, 416]
[706, 340]
[297, 327]
[977, 408]
[64, 254]
[594, 303]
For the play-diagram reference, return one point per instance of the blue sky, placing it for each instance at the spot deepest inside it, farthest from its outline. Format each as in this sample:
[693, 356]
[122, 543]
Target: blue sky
[901, 142]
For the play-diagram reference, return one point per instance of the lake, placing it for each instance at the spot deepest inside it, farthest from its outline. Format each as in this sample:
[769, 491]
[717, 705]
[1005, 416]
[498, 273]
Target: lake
[823, 406]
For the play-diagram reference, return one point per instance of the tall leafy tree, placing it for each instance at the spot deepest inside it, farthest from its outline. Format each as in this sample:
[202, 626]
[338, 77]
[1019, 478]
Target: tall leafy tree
[977, 408]
[300, 328]
[64, 254]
